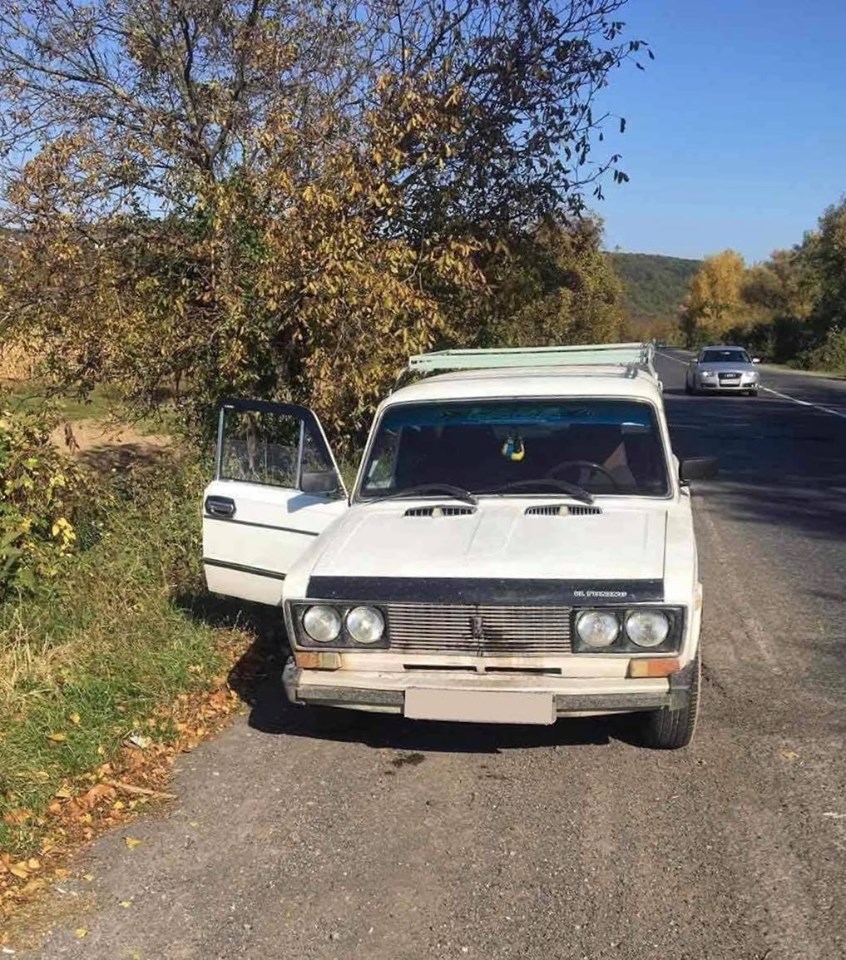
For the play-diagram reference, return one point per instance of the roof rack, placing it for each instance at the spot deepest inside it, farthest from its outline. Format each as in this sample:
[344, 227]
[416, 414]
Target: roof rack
[635, 356]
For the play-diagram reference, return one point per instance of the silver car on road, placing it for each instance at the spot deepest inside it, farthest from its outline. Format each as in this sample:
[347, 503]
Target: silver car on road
[722, 370]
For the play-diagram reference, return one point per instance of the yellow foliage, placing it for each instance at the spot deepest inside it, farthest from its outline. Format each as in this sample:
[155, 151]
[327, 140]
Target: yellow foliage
[714, 299]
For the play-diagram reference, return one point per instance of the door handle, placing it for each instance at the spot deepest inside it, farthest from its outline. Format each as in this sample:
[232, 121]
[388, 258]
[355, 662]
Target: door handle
[220, 507]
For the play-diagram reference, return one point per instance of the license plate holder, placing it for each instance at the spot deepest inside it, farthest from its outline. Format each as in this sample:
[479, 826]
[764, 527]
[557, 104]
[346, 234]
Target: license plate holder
[480, 706]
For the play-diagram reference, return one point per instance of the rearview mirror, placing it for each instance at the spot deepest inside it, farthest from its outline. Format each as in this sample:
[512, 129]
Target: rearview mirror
[323, 481]
[698, 468]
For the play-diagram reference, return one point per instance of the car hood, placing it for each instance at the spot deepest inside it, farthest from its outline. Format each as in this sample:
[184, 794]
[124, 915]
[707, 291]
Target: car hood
[726, 367]
[498, 541]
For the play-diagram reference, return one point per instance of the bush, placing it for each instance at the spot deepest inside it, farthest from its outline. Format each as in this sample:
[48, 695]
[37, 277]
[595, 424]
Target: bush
[89, 659]
[829, 355]
[40, 490]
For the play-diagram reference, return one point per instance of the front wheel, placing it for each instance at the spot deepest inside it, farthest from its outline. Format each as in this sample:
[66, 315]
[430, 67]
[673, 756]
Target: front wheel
[752, 393]
[667, 729]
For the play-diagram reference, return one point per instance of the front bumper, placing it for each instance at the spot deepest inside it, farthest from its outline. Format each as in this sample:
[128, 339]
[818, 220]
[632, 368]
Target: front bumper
[726, 386]
[384, 692]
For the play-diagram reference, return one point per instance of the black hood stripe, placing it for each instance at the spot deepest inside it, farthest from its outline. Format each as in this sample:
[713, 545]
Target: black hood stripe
[478, 590]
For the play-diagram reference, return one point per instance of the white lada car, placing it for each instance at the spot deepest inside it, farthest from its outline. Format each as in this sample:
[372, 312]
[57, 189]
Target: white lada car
[518, 544]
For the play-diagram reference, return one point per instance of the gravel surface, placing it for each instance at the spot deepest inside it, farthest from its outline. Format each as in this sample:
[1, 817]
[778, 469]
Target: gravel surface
[397, 841]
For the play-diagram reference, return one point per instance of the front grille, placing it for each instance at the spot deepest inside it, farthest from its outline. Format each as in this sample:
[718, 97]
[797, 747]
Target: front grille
[729, 376]
[484, 630]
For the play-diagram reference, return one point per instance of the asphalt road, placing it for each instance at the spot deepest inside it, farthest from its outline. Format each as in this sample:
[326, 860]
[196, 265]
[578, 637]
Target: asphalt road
[436, 841]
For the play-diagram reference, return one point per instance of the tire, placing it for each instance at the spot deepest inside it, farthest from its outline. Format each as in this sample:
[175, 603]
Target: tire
[688, 389]
[667, 729]
[752, 393]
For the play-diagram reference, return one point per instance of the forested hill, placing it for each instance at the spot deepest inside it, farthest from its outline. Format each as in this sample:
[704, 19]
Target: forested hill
[654, 285]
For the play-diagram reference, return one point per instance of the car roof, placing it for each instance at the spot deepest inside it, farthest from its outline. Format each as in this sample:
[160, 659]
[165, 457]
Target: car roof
[600, 380]
[723, 346]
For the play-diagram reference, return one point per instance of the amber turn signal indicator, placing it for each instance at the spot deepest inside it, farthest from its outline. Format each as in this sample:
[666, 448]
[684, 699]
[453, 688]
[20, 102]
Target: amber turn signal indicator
[317, 660]
[653, 668]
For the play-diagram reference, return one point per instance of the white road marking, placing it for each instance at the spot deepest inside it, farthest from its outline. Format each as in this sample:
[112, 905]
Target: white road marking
[775, 393]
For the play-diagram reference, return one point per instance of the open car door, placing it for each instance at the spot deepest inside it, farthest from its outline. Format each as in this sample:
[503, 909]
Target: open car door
[276, 488]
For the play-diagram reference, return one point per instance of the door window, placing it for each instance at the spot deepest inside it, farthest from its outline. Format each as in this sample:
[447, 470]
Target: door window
[270, 444]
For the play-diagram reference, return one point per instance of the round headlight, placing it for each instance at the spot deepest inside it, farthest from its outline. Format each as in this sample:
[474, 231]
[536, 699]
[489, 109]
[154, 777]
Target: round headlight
[322, 623]
[365, 624]
[597, 628]
[647, 628]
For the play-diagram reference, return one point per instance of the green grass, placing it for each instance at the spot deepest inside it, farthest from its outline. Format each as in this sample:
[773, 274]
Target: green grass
[99, 649]
[104, 401]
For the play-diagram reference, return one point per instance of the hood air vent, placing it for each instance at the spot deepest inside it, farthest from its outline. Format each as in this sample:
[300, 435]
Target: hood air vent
[563, 510]
[439, 511]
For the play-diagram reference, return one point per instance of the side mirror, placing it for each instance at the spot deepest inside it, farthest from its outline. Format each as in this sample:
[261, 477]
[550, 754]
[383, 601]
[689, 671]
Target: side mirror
[756, 359]
[698, 468]
[323, 481]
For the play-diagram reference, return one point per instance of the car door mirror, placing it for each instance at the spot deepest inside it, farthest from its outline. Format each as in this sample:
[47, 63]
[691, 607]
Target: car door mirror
[319, 481]
[698, 468]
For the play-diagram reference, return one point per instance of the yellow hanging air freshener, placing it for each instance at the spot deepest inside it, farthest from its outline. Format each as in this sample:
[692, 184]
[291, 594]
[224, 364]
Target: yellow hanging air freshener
[513, 449]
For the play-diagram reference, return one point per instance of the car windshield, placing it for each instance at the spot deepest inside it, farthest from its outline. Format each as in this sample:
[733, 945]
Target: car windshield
[725, 356]
[518, 447]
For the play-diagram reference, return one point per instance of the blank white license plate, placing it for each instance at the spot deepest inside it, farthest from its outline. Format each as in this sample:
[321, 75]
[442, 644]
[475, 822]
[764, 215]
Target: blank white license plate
[480, 706]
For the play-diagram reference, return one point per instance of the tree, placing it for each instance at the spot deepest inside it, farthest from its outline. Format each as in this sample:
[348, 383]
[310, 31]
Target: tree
[825, 254]
[780, 286]
[284, 199]
[713, 301]
[555, 286]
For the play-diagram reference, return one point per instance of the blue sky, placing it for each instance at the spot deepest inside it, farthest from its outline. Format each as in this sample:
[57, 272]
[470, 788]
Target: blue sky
[736, 132]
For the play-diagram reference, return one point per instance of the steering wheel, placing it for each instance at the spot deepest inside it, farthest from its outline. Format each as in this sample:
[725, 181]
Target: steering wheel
[595, 467]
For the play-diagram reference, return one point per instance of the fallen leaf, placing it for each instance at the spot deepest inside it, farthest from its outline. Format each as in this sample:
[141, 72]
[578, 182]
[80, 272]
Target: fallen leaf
[63, 793]
[789, 755]
[88, 876]
[75, 719]
[57, 737]
[19, 870]
[33, 864]
[80, 932]
[132, 842]
[15, 817]
[139, 740]
[126, 903]
[98, 792]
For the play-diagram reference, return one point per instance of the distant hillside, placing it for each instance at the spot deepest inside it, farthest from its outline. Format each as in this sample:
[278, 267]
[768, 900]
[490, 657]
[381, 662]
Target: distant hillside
[654, 285]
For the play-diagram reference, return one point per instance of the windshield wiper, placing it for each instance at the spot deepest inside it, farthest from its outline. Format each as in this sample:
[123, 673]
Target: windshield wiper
[457, 493]
[573, 489]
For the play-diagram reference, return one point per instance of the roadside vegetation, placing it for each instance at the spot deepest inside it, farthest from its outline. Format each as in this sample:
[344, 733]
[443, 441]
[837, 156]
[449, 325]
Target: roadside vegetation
[788, 309]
